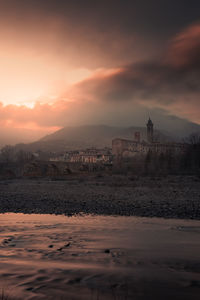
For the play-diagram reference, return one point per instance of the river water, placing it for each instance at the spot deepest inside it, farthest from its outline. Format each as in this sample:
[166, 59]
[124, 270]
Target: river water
[99, 257]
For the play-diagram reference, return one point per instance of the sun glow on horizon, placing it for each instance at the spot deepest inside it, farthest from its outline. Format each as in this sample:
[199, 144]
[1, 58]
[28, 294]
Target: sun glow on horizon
[30, 105]
[26, 78]
[29, 91]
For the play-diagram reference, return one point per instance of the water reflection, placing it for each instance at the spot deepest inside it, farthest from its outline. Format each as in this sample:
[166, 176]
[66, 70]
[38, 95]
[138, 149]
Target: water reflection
[99, 257]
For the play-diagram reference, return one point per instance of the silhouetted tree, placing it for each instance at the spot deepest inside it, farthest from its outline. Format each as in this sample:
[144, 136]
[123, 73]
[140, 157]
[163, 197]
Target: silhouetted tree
[7, 154]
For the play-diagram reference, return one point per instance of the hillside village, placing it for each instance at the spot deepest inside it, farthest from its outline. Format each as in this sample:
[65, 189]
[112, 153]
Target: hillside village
[131, 154]
[122, 148]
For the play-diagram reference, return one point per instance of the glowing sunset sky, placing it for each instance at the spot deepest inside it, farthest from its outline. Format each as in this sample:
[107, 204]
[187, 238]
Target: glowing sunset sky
[104, 62]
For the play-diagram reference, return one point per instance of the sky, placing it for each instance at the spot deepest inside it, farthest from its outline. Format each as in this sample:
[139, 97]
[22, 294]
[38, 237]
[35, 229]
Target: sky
[66, 63]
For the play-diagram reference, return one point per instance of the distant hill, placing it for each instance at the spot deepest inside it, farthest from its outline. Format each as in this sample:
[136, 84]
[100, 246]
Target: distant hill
[82, 137]
[171, 128]
[12, 136]
[168, 128]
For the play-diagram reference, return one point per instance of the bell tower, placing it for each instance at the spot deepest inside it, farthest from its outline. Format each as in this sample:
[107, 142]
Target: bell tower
[150, 131]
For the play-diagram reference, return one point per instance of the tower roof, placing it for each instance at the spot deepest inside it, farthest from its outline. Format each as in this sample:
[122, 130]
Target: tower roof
[149, 122]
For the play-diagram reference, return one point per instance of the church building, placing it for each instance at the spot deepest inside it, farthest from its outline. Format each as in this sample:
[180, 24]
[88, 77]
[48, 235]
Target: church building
[129, 148]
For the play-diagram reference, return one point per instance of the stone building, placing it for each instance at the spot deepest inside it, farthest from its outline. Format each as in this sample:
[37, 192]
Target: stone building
[129, 148]
[87, 156]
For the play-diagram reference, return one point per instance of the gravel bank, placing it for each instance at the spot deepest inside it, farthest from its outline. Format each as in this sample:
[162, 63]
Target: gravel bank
[169, 197]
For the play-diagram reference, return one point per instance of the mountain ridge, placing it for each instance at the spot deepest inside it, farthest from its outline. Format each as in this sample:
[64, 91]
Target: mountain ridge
[81, 137]
[99, 136]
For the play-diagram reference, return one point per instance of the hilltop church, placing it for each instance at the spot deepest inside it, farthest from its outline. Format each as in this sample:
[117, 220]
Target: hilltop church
[129, 148]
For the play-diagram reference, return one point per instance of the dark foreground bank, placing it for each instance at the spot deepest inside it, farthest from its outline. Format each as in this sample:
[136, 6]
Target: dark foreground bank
[168, 197]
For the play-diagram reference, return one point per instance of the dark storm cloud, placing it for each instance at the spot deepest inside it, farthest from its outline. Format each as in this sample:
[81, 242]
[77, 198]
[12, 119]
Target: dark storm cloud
[116, 96]
[109, 34]
[123, 14]
[145, 81]
[171, 81]
[99, 33]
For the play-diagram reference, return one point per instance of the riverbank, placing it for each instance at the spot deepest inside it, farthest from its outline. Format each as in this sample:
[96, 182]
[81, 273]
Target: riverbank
[168, 197]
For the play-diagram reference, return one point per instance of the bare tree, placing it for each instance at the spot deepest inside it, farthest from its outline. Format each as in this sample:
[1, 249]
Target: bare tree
[193, 139]
[7, 154]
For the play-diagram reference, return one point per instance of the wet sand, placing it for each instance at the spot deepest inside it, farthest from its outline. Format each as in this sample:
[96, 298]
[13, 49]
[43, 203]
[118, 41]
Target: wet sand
[168, 197]
[99, 257]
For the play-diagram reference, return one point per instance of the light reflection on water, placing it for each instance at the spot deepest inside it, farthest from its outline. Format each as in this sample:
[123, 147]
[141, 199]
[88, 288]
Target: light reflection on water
[48, 255]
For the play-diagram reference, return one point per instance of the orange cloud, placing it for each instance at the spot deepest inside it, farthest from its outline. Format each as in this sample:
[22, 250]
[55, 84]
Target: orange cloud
[184, 50]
